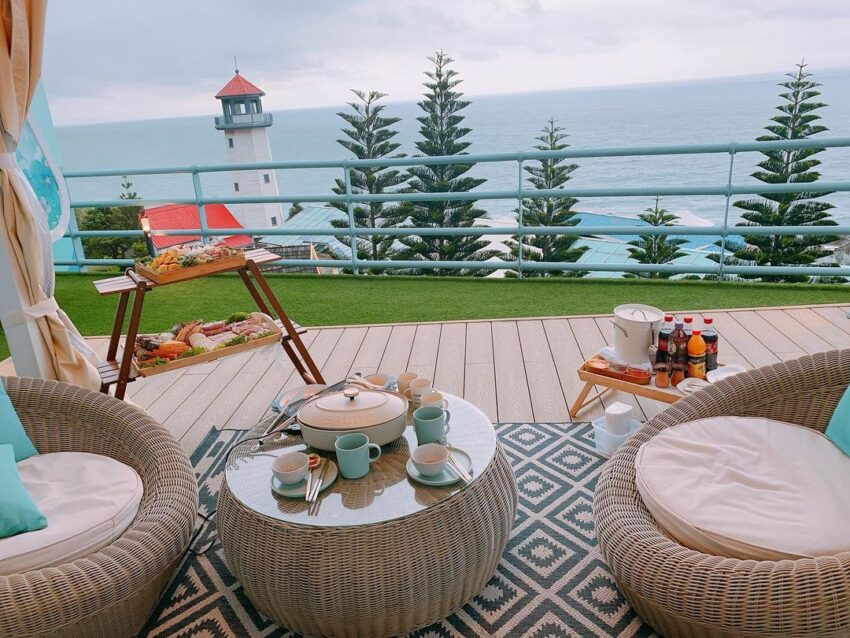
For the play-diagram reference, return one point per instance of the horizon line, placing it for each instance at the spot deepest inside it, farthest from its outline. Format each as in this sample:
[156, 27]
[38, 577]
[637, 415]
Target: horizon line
[599, 87]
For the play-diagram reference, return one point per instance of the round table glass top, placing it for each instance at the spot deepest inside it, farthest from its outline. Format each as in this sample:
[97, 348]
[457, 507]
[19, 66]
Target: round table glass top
[386, 493]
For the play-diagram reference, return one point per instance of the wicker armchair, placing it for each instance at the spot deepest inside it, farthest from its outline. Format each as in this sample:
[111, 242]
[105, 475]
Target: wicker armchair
[111, 592]
[681, 592]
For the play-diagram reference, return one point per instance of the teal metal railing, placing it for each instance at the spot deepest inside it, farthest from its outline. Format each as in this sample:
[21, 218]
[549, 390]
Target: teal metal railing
[520, 264]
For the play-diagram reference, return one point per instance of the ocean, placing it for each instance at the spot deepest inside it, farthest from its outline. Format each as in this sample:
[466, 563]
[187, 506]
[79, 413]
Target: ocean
[722, 110]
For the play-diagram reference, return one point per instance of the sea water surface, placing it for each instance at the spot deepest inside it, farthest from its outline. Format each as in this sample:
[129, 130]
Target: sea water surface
[724, 110]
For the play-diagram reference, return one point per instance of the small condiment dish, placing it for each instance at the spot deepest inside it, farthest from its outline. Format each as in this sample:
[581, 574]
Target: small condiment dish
[290, 468]
[430, 459]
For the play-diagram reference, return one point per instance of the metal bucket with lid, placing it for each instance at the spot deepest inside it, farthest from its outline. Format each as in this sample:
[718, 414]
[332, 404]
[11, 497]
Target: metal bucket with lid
[635, 328]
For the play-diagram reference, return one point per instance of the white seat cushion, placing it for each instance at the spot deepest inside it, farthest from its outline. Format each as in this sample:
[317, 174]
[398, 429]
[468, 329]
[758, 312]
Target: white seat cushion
[748, 488]
[88, 499]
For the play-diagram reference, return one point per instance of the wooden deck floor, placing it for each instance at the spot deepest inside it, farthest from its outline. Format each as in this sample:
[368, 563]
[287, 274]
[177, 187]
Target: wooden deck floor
[514, 370]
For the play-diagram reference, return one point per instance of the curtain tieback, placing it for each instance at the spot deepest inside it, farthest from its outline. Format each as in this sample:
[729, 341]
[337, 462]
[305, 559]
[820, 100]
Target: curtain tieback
[8, 161]
[42, 309]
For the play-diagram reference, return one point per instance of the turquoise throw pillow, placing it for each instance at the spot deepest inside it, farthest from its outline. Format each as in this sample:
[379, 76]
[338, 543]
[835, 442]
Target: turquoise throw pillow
[12, 430]
[838, 429]
[18, 513]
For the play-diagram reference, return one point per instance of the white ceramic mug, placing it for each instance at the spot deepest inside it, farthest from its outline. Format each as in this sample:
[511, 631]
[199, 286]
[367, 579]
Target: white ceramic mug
[434, 398]
[404, 380]
[418, 388]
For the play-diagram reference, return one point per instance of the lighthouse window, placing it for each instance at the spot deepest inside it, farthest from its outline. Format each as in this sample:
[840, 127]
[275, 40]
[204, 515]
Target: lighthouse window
[266, 178]
[230, 142]
[236, 186]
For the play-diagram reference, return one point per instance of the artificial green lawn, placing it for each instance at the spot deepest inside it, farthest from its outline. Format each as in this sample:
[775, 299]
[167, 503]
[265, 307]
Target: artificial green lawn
[340, 300]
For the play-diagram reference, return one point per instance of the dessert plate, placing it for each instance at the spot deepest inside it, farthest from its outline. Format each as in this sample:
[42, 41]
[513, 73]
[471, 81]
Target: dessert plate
[447, 476]
[725, 371]
[299, 490]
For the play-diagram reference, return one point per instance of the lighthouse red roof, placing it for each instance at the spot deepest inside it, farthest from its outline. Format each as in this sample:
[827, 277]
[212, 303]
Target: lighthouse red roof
[239, 86]
[177, 216]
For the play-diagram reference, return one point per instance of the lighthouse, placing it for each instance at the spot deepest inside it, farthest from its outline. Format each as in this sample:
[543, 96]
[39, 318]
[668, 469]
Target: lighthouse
[246, 136]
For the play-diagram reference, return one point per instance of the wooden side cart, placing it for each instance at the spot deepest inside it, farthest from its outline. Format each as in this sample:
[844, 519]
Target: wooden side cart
[120, 372]
[650, 391]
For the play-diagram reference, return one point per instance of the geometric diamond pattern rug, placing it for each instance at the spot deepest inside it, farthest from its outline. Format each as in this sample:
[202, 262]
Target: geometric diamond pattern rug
[551, 582]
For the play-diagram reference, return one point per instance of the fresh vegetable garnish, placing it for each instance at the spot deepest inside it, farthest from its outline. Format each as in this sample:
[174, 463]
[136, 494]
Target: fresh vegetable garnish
[236, 316]
[191, 352]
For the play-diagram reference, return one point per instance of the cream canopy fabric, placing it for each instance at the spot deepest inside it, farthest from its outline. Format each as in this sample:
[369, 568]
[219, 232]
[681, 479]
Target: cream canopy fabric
[22, 32]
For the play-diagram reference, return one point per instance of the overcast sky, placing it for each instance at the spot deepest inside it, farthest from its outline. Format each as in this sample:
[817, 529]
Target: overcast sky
[108, 60]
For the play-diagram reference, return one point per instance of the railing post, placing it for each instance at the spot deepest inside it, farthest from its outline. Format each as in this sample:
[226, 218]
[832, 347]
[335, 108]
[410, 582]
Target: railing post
[725, 230]
[76, 242]
[202, 212]
[519, 218]
[349, 204]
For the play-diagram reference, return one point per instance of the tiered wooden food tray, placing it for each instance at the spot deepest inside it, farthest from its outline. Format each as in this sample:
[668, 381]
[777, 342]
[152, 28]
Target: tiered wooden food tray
[120, 372]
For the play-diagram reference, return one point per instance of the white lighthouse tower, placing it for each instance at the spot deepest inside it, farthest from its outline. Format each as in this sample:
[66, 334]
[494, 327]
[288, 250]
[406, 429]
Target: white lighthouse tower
[244, 125]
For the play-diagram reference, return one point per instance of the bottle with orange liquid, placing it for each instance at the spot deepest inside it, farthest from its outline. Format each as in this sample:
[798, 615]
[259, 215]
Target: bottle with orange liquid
[696, 355]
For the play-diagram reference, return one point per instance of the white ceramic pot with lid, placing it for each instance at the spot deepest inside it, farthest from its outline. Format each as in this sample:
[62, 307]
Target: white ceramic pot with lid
[635, 327]
[379, 414]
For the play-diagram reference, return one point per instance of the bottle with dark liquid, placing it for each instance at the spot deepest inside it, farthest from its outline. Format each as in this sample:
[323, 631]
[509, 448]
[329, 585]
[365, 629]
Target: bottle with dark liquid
[689, 326]
[709, 335]
[678, 352]
[662, 355]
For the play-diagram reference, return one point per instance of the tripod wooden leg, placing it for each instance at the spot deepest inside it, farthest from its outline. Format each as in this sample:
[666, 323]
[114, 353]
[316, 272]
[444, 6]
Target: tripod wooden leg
[130, 343]
[311, 373]
[580, 402]
[115, 338]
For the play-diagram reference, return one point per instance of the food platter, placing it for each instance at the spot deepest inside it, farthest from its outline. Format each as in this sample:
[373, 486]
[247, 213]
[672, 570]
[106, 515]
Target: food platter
[180, 264]
[193, 342]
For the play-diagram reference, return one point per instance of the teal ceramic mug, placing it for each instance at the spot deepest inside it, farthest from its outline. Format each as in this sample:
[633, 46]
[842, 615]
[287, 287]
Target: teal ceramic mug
[354, 454]
[431, 424]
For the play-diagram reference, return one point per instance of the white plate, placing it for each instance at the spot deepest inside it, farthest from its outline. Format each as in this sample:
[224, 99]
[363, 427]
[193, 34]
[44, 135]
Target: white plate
[447, 476]
[691, 385]
[299, 490]
[725, 371]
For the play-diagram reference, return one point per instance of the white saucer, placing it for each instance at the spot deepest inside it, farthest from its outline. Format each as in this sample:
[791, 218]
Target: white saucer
[725, 371]
[299, 490]
[447, 476]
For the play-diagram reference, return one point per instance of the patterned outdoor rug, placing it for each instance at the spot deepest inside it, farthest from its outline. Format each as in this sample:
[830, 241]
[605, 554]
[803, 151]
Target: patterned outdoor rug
[551, 583]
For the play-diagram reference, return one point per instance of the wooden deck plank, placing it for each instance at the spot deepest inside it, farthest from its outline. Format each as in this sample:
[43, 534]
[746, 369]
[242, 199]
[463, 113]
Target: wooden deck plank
[821, 326]
[726, 351]
[252, 408]
[743, 341]
[147, 390]
[479, 382]
[368, 358]
[567, 358]
[590, 341]
[780, 344]
[174, 396]
[397, 352]
[451, 354]
[343, 355]
[512, 398]
[547, 397]
[795, 332]
[836, 316]
[211, 388]
[423, 354]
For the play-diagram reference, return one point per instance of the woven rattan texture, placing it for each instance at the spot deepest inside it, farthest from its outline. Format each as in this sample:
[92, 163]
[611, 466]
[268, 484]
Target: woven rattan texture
[681, 592]
[109, 593]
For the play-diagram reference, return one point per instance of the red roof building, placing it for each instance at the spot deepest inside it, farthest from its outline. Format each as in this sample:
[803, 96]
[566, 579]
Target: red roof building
[239, 86]
[177, 216]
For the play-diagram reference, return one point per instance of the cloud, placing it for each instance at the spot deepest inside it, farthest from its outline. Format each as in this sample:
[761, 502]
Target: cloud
[168, 57]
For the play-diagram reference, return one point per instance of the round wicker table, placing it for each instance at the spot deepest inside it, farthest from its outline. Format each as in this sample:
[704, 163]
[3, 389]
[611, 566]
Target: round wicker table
[383, 555]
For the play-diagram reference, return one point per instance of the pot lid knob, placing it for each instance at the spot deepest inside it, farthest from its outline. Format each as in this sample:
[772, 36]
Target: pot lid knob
[350, 393]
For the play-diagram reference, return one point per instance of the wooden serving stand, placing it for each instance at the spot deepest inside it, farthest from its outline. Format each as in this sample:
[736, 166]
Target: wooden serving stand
[590, 378]
[120, 373]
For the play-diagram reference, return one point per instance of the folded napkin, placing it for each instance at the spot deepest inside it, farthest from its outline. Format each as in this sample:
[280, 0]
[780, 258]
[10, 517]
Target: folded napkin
[839, 425]
[610, 355]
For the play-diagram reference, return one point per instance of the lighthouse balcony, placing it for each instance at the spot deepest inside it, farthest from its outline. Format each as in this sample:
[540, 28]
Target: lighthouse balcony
[243, 120]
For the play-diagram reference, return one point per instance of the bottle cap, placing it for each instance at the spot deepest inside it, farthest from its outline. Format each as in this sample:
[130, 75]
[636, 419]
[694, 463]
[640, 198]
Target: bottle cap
[689, 319]
[708, 320]
[668, 317]
[697, 333]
